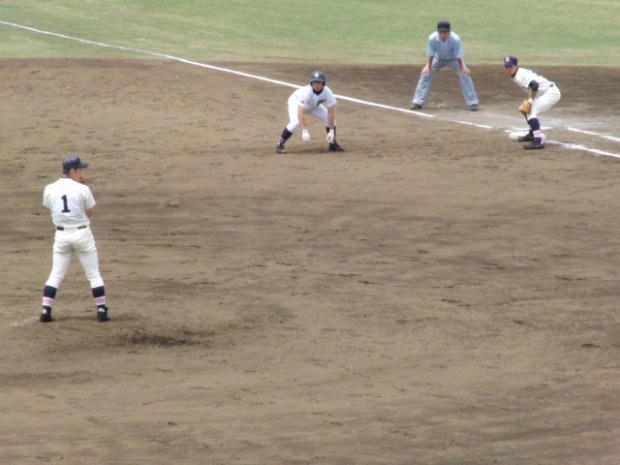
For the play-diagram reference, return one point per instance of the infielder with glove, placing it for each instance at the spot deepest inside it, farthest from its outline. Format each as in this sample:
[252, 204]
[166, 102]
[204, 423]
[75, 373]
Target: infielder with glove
[444, 48]
[542, 95]
[317, 100]
[71, 204]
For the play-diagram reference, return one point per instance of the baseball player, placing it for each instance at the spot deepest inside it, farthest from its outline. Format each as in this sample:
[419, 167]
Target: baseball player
[315, 99]
[71, 204]
[444, 48]
[542, 95]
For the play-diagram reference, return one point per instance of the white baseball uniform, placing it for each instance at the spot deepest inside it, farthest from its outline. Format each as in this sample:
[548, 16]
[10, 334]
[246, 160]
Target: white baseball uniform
[548, 93]
[314, 104]
[68, 201]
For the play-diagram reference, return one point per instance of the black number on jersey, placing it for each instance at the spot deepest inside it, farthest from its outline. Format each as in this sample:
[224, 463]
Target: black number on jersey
[64, 204]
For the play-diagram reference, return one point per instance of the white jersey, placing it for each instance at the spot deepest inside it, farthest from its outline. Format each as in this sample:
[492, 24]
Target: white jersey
[68, 201]
[523, 78]
[306, 97]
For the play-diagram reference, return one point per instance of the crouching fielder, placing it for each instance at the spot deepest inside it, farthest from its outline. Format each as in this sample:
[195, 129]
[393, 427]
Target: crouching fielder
[71, 204]
[542, 95]
[317, 100]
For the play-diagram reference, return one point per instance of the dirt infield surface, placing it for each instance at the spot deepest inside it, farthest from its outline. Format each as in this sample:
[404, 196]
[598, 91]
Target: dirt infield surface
[435, 295]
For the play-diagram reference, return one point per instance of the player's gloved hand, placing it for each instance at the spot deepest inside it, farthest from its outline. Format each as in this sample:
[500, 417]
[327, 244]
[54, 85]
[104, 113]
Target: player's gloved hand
[305, 135]
[331, 136]
[525, 107]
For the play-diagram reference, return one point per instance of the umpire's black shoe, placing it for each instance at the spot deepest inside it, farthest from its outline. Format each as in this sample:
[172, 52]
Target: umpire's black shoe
[102, 314]
[473, 107]
[416, 106]
[335, 147]
[280, 148]
[526, 138]
[534, 145]
[46, 315]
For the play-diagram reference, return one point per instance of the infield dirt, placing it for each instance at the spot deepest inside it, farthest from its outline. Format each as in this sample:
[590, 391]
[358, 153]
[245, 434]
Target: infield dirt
[435, 295]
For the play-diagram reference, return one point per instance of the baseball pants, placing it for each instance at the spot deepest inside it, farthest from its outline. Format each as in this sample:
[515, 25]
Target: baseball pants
[543, 102]
[425, 82]
[319, 112]
[82, 243]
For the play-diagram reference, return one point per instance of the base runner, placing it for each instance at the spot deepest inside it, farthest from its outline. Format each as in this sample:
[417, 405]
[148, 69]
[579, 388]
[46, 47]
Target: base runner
[317, 100]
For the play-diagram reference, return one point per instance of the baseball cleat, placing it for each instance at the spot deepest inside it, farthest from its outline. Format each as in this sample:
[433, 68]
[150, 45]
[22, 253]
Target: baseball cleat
[280, 148]
[102, 314]
[46, 315]
[416, 106]
[533, 145]
[335, 147]
[473, 107]
[527, 138]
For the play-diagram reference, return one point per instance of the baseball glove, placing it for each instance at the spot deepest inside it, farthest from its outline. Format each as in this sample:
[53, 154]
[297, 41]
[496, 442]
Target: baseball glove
[525, 107]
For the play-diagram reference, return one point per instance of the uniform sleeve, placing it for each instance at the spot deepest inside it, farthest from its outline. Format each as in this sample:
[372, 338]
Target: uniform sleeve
[89, 200]
[46, 197]
[330, 101]
[304, 99]
[458, 49]
[430, 48]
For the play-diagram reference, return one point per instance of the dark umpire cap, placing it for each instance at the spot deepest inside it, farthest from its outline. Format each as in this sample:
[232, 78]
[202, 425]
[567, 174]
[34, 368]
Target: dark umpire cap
[73, 162]
[443, 26]
[509, 62]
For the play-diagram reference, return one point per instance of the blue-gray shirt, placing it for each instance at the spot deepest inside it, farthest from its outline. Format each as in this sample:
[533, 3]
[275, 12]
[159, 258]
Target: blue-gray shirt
[448, 50]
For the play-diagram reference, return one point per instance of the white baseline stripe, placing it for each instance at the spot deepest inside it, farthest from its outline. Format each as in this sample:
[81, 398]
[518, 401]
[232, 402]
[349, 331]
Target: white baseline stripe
[202, 65]
[272, 81]
[572, 146]
[146, 52]
[469, 123]
[591, 133]
[381, 105]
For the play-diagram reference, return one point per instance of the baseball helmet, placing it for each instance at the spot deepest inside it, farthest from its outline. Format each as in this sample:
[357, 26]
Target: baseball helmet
[318, 76]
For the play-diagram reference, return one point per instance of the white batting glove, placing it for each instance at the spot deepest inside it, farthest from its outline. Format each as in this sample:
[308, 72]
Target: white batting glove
[331, 136]
[305, 135]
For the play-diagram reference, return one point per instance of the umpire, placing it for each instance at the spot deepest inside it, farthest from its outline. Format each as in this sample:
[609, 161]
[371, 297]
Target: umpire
[444, 48]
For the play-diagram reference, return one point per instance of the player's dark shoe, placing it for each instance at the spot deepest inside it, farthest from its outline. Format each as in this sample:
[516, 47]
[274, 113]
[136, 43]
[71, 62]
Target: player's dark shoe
[46, 315]
[102, 314]
[473, 107]
[416, 106]
[534, 145]
[527, 138]
[335, 147]
[280, 148]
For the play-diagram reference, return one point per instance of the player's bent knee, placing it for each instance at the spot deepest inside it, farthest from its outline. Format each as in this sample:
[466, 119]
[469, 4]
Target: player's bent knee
[292, 127]
[95, 281]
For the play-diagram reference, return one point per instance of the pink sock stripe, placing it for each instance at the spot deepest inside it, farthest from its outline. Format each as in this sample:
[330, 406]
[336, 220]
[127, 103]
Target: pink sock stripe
[48, 301]
[100, 301]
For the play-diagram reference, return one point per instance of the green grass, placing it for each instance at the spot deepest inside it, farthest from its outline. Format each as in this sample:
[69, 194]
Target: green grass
[560, 32]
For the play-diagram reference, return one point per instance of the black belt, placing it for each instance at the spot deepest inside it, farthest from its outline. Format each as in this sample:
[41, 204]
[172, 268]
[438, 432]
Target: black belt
[60, 228]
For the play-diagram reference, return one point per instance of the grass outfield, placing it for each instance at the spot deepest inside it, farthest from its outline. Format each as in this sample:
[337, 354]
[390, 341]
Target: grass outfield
[566, 32]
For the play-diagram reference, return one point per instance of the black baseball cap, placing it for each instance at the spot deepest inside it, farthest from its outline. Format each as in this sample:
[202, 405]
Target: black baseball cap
[73, 162]
[443, 26]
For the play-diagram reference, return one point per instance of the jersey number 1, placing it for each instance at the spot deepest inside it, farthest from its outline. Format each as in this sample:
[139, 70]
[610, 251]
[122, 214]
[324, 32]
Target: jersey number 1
[64, 204]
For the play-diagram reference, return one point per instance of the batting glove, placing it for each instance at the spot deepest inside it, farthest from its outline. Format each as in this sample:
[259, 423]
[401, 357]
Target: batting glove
[305, 135]
[331, 136]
